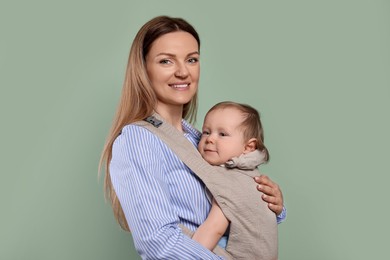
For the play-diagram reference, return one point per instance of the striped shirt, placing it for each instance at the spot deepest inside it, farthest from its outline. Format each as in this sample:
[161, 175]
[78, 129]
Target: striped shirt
[157, 191]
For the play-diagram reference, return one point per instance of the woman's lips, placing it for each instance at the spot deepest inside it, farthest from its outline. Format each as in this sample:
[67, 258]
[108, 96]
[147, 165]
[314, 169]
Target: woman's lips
[180, 85]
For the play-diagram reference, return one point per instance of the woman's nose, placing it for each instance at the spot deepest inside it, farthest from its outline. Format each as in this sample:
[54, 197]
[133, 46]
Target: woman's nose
[181, 71]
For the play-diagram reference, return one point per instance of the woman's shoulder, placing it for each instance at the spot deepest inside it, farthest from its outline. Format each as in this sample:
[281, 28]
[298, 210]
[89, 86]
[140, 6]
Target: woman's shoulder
[137, 133]
[137, 140]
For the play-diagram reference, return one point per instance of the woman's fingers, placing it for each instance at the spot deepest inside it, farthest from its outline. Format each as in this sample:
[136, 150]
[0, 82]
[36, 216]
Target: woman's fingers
[277, 209]
[271, 193]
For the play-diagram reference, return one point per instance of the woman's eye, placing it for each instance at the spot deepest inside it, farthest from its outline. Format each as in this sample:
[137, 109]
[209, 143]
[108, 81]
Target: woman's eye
[165, 61]
[193, 60]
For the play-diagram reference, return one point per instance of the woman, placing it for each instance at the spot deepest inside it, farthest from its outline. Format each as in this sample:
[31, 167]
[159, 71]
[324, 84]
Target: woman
[150, 189]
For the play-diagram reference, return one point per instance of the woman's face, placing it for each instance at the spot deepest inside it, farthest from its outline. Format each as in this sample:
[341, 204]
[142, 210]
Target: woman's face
[172, 64]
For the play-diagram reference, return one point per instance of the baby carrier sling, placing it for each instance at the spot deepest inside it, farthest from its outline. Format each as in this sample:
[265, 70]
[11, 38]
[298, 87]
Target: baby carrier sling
[253, 227]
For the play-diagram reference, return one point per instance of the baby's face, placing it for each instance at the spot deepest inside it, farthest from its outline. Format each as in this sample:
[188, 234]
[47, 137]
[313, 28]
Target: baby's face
[222, 138]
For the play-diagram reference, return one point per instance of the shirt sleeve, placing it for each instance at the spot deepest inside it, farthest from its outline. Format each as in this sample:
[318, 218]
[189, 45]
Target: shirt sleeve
[282, 216]
[137, 174]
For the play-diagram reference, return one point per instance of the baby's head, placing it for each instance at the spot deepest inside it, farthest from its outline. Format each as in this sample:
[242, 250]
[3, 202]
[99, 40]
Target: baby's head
[229, 130]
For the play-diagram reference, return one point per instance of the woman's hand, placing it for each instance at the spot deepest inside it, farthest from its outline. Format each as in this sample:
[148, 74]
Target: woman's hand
[272, 193]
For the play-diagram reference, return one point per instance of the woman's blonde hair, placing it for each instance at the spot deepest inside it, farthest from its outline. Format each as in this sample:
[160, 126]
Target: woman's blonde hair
[138, 100]
[251, 125]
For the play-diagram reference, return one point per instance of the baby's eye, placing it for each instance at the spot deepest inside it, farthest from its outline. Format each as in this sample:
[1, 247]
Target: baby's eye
[205, 133]
[223, 134]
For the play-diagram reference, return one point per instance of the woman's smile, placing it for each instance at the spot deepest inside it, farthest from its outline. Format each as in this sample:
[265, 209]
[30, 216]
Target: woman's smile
[180, 86]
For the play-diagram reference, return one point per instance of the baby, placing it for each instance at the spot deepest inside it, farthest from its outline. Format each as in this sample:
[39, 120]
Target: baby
[232, 141]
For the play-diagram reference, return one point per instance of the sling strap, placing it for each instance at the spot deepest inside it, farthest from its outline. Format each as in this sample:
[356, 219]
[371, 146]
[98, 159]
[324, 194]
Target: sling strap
[253, 227]
[187, 153]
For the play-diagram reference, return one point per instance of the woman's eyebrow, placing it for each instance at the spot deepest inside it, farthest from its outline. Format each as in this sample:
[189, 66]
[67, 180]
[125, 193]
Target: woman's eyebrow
[165, 54]
[192, 53]
[173, 55]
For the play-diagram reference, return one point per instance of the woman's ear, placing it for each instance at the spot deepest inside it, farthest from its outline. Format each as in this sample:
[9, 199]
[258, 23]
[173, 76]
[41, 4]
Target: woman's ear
[250, 146]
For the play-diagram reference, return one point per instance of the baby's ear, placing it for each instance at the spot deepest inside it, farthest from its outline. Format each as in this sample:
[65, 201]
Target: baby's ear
[250, 145]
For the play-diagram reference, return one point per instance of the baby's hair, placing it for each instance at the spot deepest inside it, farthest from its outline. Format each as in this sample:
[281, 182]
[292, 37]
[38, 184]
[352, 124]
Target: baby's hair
[251, 125]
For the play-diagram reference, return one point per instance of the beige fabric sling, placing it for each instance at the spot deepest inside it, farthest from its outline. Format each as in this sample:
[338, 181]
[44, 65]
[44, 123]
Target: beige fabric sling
[253, 227]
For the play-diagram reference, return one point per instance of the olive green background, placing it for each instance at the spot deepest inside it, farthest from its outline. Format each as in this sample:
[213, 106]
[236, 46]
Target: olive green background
[318, 71]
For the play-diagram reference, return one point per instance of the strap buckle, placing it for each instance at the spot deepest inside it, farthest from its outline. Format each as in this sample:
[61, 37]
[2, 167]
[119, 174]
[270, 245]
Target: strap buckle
[154, 121]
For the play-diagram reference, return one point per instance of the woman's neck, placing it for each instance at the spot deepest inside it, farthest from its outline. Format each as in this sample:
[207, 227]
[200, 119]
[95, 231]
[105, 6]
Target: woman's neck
[171, 114]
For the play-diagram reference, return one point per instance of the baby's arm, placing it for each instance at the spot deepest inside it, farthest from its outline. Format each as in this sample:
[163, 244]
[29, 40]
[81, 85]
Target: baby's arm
[210, 232]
